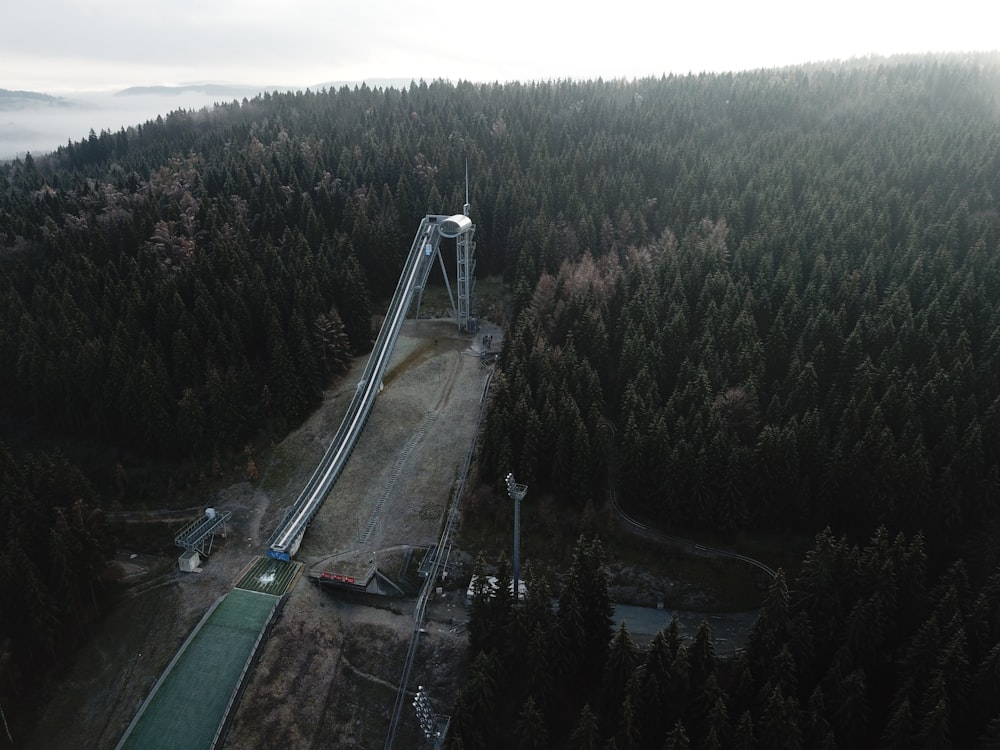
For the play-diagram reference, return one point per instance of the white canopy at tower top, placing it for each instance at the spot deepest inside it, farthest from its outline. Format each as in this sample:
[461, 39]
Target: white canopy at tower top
[455, 225]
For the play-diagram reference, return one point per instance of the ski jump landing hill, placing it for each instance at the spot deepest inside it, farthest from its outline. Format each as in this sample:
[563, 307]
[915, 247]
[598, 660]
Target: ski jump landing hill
[190, 704]
[285, 540]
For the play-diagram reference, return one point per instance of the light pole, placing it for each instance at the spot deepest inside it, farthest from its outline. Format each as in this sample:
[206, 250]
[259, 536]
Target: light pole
[517, 493]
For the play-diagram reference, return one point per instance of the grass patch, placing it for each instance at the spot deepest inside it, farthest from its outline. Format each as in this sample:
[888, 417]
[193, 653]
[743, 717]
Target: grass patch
[375, 650]
[282, 464]
[418, 355]
[360, 709]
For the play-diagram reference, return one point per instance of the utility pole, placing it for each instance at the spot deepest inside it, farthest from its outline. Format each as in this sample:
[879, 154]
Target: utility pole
[517, 493]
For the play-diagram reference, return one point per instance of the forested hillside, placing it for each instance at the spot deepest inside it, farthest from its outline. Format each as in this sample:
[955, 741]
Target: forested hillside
[755, 301]
[864, 649]
[810, 335]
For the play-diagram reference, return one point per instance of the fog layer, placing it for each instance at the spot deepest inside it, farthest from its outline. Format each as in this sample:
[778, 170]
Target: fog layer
[39, 128]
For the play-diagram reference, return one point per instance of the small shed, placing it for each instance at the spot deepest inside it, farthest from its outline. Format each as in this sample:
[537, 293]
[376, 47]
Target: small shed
[190, 561]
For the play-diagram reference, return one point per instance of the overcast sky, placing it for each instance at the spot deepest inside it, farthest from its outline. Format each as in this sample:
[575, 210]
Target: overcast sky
[59, 46]
[71, 46]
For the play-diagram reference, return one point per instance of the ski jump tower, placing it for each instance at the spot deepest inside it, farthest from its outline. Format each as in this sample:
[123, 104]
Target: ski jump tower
[461, 228]
[285, 540]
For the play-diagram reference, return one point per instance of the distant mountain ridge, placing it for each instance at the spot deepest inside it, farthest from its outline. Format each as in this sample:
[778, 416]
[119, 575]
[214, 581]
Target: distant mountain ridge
[17, 99]
[240, 90]
[212, 89]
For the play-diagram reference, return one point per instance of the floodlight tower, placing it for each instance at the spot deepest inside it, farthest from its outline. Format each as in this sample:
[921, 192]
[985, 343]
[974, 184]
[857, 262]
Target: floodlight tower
[434, 726]
[517, 493]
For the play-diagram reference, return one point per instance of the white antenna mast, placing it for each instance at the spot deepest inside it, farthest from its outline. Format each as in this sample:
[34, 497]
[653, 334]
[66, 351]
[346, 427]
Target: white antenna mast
[465, 209]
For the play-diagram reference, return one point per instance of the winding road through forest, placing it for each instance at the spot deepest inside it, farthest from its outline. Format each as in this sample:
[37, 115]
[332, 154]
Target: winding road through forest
[687, 545]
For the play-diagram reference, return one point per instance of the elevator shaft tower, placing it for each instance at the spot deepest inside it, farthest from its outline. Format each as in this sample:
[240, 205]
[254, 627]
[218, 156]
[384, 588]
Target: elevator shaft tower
[461, 228]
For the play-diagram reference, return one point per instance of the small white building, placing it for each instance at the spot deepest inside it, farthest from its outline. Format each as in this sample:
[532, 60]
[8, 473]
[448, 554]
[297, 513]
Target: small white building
[493, 584]
[190, 561]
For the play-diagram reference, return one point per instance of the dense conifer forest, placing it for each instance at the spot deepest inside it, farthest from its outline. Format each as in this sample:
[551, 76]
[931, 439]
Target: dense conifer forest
[742, 302]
